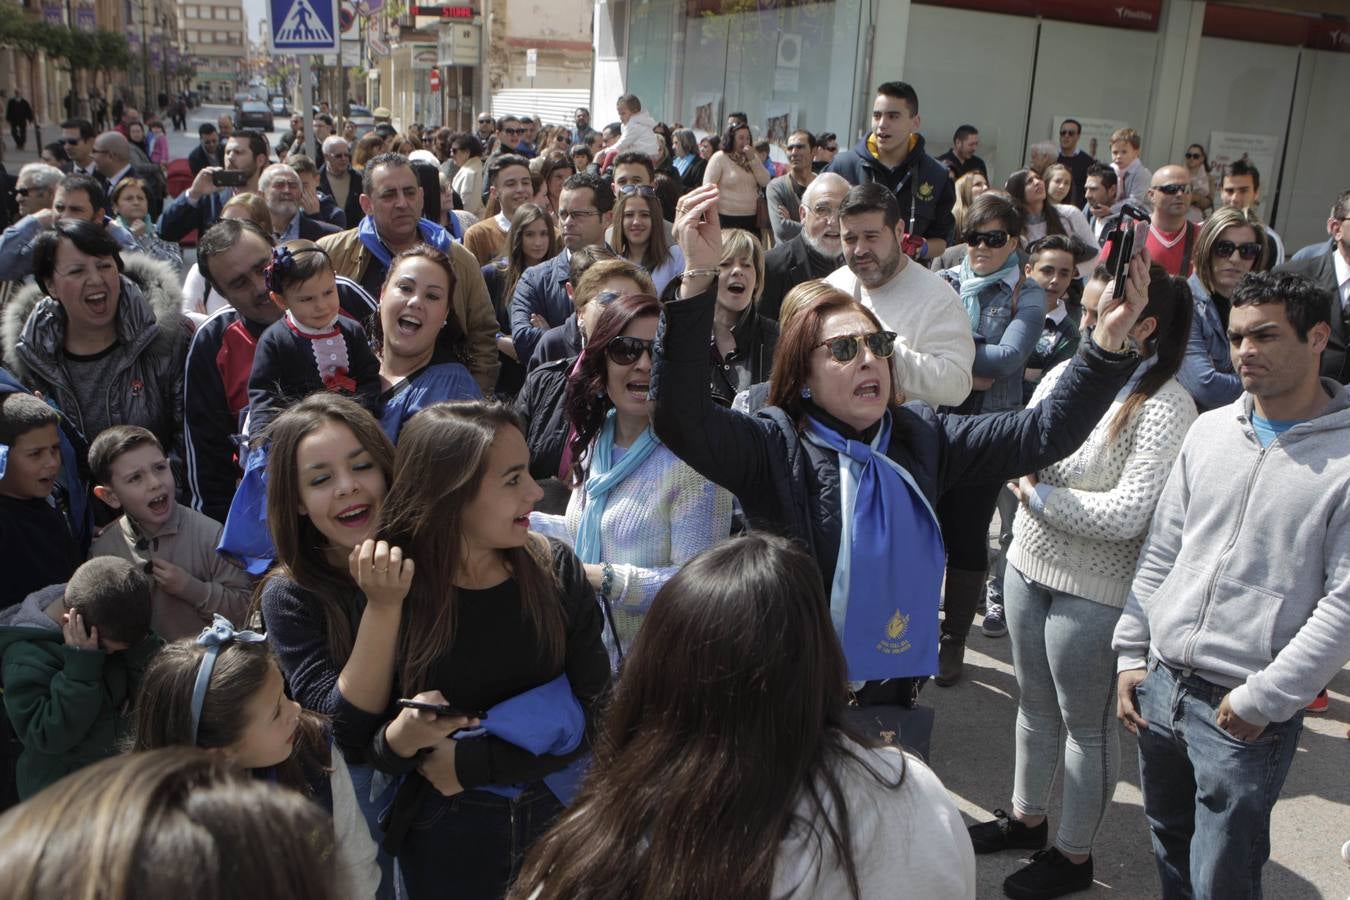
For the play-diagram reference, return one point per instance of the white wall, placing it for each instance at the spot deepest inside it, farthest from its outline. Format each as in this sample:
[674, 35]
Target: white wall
[968, 67]
[1318, 166]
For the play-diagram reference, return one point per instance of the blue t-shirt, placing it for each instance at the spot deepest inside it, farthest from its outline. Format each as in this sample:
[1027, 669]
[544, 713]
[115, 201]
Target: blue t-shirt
[1268, 430]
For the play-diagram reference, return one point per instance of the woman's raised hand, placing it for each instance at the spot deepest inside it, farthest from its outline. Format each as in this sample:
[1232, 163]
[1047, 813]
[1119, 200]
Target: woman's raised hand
[697, 228]
[381, 572]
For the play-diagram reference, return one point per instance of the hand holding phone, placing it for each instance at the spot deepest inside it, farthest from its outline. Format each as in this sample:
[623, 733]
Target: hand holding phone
[441, 709]
[228, 178]
[424, 721]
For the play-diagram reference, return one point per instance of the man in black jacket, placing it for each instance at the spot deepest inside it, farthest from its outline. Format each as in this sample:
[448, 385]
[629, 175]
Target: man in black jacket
[1331, 272]
[814, 253]
[893, 154]
[207, 152]
[18, 112]
[337, 180]
[281, 188]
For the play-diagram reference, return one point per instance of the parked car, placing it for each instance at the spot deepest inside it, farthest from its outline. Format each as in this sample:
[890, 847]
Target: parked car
[278, 103]
[362, 117]
[254, 114]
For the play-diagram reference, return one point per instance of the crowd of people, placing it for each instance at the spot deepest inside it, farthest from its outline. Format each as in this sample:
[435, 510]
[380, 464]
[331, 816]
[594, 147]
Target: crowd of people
[549, 512]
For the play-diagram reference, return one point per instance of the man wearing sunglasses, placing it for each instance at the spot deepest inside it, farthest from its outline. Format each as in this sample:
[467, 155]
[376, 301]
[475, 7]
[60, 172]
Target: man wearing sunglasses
[1171, 235]
[1075, 160]
[827, 146]
[1242, 189]
[486, 128]
[510, 134]
[893, 155]
[1330, 271]
[936, 351]
[78, 137]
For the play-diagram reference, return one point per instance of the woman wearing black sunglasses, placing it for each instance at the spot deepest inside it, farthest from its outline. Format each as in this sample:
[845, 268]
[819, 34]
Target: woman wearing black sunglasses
[1231, 244]
[834, 463]
[637, 512]
[1007, 315]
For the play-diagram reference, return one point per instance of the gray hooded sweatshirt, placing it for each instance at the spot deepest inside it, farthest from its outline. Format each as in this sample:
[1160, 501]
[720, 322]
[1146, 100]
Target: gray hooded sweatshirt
[1244, 578]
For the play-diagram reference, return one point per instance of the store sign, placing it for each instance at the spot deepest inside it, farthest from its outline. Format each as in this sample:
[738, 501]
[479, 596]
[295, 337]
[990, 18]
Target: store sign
[457, 45]
[423, 56]
[1137, 15]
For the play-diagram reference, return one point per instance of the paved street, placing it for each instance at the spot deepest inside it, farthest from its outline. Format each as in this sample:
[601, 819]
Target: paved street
[973, 754]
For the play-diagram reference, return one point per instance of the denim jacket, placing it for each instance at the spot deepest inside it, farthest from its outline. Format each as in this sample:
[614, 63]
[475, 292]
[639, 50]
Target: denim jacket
[1207, 369]
[1006, 336]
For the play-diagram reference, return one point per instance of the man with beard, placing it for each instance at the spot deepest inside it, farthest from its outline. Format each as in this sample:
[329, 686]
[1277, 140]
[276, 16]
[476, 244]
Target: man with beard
[199, 207]
[935, 351]
[815, 252]
[207, 151]
[233, 256]
[281, 189]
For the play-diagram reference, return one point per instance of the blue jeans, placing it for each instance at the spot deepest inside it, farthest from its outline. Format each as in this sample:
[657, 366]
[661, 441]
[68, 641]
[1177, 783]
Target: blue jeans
[1066, 690]
[470, 846]
[373, 803]
[1207, 795]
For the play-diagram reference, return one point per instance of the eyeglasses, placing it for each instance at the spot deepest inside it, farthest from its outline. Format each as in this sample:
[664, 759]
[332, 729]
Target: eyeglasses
[825, 211]
[991, 239]
[642, 190]
[23, 192]
[337, 156]
[1224, 249]
[1173, 189]
[486, 122]
[513, 131]
[1066, 132]
[71, 142]
[625, 350]
[1195, 156]
[845, 347]
[581, 214]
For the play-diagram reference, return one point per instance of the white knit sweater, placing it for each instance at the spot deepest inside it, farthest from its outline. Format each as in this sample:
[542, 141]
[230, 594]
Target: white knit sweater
[660, 517]
[1087, 540]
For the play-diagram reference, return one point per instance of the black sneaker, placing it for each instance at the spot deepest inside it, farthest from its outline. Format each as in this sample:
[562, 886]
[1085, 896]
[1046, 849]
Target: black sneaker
[1050, 874]
[1005, 833]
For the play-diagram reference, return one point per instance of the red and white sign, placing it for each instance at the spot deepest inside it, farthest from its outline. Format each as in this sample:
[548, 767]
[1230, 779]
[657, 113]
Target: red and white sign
[435, 79]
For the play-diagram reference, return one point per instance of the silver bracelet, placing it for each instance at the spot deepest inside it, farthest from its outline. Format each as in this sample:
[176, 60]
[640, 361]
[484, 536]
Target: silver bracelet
[711, 271]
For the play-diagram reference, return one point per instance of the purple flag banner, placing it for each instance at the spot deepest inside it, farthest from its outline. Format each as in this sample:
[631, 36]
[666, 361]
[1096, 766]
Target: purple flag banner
[84, 18]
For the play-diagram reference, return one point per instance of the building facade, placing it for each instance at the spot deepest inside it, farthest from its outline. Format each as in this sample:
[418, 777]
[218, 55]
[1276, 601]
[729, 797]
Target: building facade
[1268, 83]
[214, 37]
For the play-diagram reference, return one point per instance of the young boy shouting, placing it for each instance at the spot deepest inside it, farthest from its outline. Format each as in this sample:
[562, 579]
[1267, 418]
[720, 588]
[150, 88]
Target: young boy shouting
[174, 545]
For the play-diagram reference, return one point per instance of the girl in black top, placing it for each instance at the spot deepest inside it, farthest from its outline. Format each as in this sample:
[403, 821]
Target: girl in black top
[494, 613]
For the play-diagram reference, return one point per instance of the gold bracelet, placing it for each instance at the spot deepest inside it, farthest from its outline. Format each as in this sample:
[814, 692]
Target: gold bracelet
[711, 271]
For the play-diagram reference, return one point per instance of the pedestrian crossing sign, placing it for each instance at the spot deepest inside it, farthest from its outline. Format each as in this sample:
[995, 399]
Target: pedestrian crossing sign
[304, 25]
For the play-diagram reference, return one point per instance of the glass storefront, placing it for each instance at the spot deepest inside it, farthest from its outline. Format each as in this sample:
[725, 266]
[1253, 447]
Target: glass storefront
[784, 65]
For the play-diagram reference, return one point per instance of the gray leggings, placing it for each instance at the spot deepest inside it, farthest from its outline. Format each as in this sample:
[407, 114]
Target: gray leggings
[1066, 678]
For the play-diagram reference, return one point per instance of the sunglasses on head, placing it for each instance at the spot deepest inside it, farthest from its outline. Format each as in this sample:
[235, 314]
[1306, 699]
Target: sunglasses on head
[625, 350]
[845, 347]
[1172, 189]
[1224, 249]
[642, 190]
[991, 239]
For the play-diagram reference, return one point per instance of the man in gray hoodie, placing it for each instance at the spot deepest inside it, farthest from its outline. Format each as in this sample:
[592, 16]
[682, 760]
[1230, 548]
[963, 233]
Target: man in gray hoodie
[1240, 609]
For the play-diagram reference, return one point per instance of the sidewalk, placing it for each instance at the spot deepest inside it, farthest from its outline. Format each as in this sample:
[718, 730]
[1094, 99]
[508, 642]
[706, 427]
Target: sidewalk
[973, 754]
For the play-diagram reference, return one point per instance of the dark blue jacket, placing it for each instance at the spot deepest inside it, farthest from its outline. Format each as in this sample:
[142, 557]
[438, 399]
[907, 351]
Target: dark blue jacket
[927, 213]
[541, 289]
[791, 487]
[182, 216]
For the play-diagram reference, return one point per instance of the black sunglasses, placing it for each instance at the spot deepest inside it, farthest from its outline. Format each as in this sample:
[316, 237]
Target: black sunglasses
[1171, 189]
[513, 130]
[1068, 133]
[23, 192]
[991, 239]
[845, 347]
[642, 190]
[70, 142]
[1195, 156]
[1224, 249]
[625, 350]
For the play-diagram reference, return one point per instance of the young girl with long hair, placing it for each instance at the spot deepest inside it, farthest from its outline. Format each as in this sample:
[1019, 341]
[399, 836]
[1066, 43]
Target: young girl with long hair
[968, 187]
[1043, 216]
[639, 236]
[224, 692]
[729, 769]
[413, 321]
[333, 604]
[533, 239]
[1077, 537]
[637, 512]
[496, 617]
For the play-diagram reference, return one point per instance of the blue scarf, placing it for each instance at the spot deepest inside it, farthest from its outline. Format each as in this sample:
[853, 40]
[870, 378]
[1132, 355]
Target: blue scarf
[601, 478]
[972, 284]
[432, 234]
[884, 596]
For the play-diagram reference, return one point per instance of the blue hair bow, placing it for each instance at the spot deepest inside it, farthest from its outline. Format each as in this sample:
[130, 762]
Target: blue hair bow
[220, 633]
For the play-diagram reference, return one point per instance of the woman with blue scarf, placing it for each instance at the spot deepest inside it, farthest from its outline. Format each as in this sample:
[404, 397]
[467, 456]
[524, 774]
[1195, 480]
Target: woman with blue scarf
[637, 512]
[835, 464]
[1007, 314]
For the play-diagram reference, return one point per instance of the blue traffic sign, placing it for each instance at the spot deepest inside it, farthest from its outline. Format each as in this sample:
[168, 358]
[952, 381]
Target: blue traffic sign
[304, 25]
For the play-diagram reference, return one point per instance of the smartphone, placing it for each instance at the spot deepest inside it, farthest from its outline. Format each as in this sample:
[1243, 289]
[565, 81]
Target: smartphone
[228, 178]
[442, 709]
[1122, 246]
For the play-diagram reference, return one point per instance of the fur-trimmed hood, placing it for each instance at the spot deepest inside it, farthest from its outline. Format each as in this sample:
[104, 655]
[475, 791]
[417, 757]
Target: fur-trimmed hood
[151, 296]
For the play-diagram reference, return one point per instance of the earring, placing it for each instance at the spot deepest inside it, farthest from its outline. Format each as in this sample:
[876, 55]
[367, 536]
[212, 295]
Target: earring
[806, 393]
